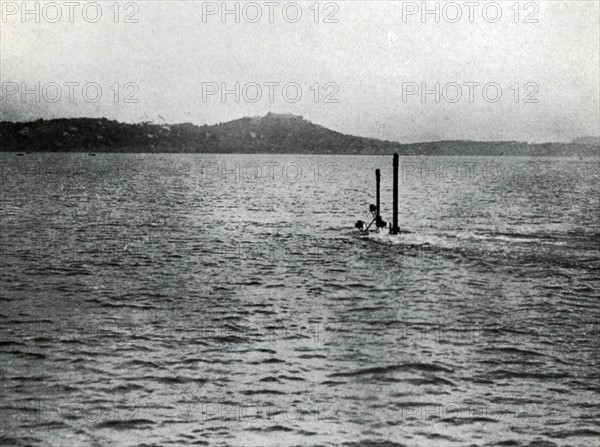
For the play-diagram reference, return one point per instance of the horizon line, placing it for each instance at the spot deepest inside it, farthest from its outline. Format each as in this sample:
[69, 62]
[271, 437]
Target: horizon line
[165, 123]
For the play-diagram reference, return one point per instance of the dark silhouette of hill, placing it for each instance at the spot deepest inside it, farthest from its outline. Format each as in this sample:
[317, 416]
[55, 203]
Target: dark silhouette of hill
[271, 134]
[587, 140]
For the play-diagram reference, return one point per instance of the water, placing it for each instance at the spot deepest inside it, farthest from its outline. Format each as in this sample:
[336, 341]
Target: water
[178, 299]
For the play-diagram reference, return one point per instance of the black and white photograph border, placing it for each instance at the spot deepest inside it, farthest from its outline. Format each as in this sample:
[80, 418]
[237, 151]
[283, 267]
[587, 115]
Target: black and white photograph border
[299, 223]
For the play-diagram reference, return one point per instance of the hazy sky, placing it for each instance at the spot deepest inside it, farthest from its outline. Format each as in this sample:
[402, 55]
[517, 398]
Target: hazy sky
[176, 54]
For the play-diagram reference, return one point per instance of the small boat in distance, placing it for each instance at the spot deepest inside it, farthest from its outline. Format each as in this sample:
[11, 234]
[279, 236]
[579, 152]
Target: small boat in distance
[91, 154]
[20, 154]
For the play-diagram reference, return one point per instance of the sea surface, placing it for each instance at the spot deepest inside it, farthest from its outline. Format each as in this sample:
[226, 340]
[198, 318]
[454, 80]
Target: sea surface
[228, 300]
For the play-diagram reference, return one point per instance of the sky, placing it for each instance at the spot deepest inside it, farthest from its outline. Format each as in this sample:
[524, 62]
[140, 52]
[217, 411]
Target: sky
[505, 70]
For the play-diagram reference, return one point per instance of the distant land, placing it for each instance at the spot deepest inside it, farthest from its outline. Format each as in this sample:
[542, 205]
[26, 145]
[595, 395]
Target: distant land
[271, 134]
[594, 141]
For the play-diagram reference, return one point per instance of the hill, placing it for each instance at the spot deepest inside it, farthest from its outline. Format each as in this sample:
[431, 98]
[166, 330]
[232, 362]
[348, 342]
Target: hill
[271, 134]
[587, 140]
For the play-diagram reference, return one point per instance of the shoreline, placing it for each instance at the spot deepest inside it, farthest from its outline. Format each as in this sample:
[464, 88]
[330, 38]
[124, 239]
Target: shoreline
[271, 134]
[96, 151]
